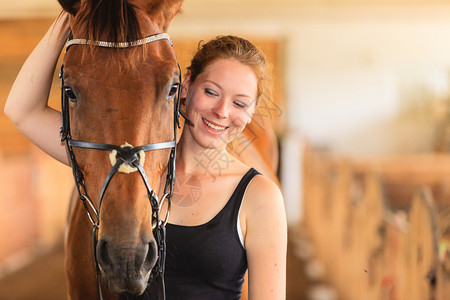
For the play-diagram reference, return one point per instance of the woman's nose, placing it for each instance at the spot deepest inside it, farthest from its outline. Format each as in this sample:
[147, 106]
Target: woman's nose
[221, 109]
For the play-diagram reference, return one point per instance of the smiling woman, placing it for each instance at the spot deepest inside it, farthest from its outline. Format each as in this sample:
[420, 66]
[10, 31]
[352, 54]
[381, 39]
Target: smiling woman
[237, 220]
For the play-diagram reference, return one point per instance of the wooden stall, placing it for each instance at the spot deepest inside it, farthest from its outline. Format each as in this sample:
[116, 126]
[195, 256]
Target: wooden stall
[380, 225]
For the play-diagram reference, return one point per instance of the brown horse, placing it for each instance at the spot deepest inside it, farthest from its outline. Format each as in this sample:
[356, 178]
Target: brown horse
[116, 97]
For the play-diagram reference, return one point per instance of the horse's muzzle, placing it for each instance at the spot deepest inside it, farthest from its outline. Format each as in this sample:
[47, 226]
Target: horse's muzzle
[125, 268]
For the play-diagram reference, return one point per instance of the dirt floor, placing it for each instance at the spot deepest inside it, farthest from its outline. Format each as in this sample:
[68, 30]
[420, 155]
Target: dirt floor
[44, 278]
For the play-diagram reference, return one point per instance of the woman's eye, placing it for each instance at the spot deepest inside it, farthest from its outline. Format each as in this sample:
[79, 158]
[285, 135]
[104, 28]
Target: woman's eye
[240, 104]
[70, 94]
[173, 90]
[210, 92]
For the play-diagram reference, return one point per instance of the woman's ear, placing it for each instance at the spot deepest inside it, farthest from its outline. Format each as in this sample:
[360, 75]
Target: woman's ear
[186, 84]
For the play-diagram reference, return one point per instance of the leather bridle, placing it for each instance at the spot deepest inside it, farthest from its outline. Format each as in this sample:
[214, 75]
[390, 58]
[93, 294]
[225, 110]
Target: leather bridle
[125, 155]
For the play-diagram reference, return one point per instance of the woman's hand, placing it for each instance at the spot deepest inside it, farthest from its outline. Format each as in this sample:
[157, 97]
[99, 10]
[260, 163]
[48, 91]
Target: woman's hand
[27, 103]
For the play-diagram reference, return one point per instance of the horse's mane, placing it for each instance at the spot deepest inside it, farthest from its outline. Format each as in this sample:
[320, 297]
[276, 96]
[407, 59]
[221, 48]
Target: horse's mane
[113, 20]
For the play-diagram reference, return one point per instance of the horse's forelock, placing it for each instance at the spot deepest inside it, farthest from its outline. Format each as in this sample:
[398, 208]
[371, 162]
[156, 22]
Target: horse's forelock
[107, 20]
[111, 20]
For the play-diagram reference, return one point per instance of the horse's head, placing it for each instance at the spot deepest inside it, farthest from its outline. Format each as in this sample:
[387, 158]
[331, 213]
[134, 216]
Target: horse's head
[118, 96]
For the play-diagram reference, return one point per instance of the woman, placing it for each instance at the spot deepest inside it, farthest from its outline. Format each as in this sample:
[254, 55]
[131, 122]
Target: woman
[213, 239]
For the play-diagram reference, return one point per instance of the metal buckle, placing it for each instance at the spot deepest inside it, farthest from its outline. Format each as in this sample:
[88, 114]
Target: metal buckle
[90, 208]
[166, 218]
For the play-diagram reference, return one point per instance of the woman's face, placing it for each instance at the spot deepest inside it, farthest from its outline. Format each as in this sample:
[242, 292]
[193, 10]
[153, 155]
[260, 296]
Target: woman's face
[220, 102]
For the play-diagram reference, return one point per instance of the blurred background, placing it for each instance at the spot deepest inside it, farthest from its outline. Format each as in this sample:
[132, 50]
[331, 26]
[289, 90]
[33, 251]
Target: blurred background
[361, 109]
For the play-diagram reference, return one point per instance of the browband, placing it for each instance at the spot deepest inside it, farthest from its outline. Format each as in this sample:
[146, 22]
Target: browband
[146, 40]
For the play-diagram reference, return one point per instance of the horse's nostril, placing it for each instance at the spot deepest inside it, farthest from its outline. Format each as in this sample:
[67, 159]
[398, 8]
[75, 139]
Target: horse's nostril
[152, 256]
[103, 256]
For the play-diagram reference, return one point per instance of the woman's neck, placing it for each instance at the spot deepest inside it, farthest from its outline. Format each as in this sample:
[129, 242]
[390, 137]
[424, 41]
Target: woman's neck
[195, 159]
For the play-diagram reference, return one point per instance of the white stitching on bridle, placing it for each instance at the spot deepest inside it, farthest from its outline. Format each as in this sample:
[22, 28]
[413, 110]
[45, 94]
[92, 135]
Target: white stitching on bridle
[146, 40]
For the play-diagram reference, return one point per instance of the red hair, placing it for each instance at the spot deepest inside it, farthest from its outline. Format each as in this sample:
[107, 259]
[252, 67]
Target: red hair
[236, 48]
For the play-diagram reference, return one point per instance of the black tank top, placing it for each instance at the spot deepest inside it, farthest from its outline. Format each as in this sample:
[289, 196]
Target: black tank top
[206, 261]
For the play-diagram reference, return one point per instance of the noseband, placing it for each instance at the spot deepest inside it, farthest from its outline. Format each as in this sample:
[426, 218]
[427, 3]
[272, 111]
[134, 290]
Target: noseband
[125, 155]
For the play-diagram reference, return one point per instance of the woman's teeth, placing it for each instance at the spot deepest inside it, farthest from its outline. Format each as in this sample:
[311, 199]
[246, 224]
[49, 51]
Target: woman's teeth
[214, 127]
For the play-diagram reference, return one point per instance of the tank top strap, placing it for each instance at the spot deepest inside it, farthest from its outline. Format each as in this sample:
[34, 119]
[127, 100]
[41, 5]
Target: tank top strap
[239, 192]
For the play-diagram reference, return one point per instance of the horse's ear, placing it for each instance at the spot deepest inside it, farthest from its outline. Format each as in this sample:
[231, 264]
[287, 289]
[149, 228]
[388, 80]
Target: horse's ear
[161, 11]
[71, 6]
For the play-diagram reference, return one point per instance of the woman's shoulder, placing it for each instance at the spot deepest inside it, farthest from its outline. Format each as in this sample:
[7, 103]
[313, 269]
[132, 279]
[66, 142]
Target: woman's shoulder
[261, 188]
[263, 199]
[263, 210]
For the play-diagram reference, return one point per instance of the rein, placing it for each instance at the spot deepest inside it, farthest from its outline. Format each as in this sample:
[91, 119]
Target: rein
[125, 155]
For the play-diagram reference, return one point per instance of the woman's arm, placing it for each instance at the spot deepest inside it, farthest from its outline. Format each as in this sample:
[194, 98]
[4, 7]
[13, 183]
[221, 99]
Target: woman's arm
[265, 240]
[27, 105]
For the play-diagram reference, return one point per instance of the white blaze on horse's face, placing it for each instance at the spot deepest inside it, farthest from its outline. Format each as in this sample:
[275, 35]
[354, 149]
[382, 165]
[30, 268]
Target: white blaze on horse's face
[221, 102]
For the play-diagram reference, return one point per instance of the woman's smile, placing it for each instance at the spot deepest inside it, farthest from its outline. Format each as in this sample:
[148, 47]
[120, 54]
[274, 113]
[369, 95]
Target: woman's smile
[214, 128]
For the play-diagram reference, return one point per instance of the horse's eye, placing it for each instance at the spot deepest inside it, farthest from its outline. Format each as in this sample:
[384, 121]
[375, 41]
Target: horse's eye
[70, 94]
[173, 90]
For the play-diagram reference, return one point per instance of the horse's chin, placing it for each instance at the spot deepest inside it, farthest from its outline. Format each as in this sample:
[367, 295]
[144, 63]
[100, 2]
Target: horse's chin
[125, 286]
